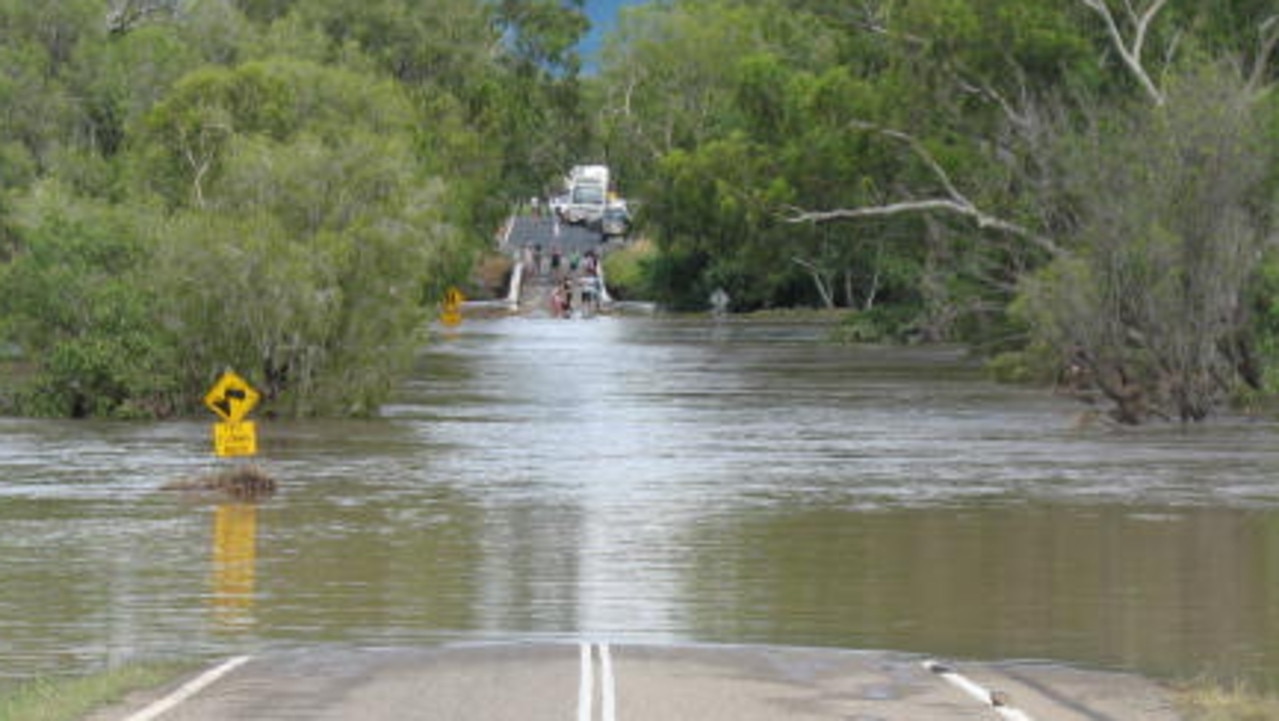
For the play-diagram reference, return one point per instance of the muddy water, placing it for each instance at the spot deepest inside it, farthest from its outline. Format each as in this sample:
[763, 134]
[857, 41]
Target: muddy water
[654, 480]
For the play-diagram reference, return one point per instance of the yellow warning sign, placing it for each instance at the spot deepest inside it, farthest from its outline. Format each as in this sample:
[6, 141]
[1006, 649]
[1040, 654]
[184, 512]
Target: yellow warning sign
[231, 398]
[451, 308]
[235, 439]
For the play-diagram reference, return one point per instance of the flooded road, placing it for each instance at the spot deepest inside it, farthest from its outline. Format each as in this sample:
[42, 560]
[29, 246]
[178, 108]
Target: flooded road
[658, 481]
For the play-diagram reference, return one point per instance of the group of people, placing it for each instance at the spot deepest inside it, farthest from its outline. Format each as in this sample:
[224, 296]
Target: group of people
[575, 278]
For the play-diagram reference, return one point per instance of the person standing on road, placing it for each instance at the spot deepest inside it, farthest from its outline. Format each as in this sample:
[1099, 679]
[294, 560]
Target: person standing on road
[557, 302]
[555, 264]
[566, 294]
[529, 268]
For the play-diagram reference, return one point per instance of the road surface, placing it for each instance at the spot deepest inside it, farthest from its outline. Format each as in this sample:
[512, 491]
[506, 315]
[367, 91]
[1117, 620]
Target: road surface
[601, 682]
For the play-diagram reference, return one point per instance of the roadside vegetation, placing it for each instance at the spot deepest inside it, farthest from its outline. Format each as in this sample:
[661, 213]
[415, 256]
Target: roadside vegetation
[68, 699]
[1084, 190]
[1217, 702]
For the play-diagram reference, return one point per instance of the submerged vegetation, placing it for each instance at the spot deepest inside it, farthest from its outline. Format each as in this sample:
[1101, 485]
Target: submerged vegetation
[1086, 189]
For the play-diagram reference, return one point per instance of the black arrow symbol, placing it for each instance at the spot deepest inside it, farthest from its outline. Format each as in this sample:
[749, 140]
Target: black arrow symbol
[224, 403]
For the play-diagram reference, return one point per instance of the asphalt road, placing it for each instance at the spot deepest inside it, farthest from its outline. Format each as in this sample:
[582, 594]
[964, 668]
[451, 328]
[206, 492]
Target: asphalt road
[595, 682]
[548, 233]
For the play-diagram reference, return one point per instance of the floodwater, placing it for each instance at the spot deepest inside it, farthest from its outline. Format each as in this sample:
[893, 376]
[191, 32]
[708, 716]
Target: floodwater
[657, 480]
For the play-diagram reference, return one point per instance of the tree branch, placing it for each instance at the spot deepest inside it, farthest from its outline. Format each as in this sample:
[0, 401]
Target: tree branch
[124, 16]
[953, 202]
[1131, 55]
[823, 287]
[1266, 49]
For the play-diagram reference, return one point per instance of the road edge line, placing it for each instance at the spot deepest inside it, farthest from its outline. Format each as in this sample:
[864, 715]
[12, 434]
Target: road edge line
[189, 689]
[975, 690]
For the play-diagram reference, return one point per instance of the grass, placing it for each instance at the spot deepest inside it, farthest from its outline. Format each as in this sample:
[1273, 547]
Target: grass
[1208, 701]
[68, 699]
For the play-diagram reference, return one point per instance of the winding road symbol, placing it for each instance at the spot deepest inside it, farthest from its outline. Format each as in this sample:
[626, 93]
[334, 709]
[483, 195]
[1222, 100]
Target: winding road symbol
[231, 398]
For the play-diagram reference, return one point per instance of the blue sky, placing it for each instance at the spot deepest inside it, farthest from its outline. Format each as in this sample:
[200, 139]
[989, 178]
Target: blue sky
[602, 13]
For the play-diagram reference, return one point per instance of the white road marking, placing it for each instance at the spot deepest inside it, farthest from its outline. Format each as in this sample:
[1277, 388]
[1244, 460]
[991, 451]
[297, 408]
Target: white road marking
[188, 689]
[608, 690]
[586, 685]
[975, 690]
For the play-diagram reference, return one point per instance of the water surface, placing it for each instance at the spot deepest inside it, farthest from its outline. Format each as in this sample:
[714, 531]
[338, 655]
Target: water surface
[658, 481]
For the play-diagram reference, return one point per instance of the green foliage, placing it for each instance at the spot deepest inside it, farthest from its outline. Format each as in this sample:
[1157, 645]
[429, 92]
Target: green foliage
[981, 154]
[70, 698]
[280, 187]
[288, 186]
[881, 324]
[627, 272]
[1170, 235]
[77, 297]
[311, 246]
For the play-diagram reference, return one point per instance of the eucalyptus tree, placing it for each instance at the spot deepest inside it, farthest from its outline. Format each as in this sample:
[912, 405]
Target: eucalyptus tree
[1152, 311]
[76, 296]
[292, 183]
[1176, 207]
[704, 100]
[1133, 247]
[38, 43]
[303, 232]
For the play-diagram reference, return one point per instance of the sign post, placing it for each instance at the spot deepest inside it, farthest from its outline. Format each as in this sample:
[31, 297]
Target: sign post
[231, 398]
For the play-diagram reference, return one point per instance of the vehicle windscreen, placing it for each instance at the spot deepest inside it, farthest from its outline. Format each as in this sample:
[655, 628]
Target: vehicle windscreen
[588, 194]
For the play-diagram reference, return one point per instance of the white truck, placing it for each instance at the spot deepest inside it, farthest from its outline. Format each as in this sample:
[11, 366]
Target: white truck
[587, 194]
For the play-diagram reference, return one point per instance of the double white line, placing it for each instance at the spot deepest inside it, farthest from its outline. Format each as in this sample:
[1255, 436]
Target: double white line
[586, 688]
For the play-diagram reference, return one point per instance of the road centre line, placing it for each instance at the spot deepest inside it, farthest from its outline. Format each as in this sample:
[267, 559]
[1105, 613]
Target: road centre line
[586, 684]
[608, 693]
[189, 689]
[990, 698]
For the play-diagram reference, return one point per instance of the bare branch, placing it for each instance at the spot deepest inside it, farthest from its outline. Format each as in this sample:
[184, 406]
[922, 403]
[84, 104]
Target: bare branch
[125, 15]
[870, 19]
[1265, 51]
[823, 286]
[1131, 51]
[953, 202]
[985, 90]
[963, 208]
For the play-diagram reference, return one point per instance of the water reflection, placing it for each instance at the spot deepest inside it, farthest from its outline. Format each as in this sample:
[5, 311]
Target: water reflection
[235, 537]
[1158, 592]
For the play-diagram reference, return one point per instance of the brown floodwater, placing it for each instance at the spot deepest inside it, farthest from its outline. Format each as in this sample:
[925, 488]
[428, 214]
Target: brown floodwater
[657, 480]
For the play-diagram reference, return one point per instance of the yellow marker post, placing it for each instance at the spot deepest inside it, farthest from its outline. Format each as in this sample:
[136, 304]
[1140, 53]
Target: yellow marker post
[451, 308]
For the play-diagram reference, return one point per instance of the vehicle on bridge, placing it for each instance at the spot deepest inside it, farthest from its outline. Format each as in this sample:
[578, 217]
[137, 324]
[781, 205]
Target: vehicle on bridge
[615, 222]
[587, 195]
